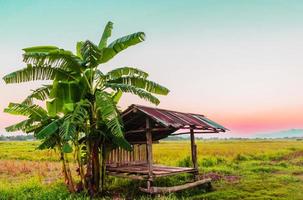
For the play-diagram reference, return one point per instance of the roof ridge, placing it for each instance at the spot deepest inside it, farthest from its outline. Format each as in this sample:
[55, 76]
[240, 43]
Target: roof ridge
[138, 105]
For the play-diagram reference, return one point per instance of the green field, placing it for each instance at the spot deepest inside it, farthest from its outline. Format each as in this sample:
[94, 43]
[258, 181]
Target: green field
[241, 169]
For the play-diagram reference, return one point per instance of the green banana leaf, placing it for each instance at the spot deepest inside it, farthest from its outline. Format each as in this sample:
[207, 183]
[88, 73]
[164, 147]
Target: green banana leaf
[121, 44]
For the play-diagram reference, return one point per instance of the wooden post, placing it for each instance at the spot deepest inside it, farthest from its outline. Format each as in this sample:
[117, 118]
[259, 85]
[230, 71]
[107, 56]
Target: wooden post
[139, 152]
[149, 153]
[194, 153]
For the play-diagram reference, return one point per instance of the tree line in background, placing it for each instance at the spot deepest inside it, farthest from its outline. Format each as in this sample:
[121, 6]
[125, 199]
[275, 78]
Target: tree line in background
[17, 138]
[81, 115]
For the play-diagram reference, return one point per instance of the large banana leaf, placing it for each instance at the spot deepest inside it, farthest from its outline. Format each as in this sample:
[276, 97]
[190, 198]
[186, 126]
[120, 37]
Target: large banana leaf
[110, 116]
[40, 49]
[121, 44]
[74, 121]
[54, 107]
[32, 128]
[33, 111]
[67, 91]
[78, 49]
[142, 83]
[41, 94]
[49, 143]
[63, 94]
[91, 54]
[68, 129]
[99, 76]
[37, 73]
[134, 90]
[117, 96]
[48, 130]
[58, 58]
[20, 125]
[125, 71]
[106, 34]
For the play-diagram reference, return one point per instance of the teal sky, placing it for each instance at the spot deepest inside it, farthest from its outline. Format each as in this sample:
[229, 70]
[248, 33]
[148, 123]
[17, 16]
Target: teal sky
[238, 62]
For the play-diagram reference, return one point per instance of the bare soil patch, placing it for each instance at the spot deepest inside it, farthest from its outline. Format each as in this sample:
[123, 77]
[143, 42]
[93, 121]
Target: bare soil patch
[217, 177]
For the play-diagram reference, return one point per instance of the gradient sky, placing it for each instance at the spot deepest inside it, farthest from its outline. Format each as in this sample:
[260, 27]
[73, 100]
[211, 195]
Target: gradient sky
[238, 62]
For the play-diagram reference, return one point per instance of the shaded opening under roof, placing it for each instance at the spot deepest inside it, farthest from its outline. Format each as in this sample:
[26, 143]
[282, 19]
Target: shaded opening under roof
[163, 123]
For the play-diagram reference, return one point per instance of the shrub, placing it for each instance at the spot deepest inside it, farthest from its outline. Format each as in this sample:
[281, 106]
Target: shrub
[241, 157]
[208, 162]
[185, 162]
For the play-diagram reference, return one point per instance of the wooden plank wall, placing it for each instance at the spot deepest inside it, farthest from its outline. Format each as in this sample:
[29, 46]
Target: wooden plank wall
[118, 156]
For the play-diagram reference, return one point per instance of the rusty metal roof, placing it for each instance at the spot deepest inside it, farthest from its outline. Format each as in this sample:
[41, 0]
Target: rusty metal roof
[134, 119]
[177, 119]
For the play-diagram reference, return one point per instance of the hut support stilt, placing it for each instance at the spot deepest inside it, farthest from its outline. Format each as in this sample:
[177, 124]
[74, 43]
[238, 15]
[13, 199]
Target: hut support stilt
[149, 153]
[194, 153]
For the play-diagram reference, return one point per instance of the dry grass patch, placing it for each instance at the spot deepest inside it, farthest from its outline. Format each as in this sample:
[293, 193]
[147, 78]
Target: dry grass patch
[14, 170]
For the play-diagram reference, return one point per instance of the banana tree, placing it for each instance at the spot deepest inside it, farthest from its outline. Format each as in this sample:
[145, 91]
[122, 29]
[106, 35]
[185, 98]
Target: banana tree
[84, 98]
[37, 120]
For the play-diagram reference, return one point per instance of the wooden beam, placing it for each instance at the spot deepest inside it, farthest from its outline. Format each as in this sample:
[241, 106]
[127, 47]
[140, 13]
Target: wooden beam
[144, 130]
[126, 175]
[161, 190]
[149, 152]
[200, 128]
[194, 153]
[144, 142]
[205, 132]
[131, 110]
[175, 173]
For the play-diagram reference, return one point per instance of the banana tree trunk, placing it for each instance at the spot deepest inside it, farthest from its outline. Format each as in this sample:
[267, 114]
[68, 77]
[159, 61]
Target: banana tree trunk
[96, 166]
[89, 171]
[92, 176]
[80, 167]
[103, 166]
[67, 173]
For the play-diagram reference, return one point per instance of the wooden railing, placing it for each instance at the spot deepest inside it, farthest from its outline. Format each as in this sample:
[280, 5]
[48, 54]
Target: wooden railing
[119, 157]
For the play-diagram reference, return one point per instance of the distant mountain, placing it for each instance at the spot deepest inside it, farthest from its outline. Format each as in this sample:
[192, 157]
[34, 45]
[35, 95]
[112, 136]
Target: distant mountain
[281, 134]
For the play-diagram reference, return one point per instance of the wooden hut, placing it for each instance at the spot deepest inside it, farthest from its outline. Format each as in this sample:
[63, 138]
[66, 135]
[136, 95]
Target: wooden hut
[146, 125]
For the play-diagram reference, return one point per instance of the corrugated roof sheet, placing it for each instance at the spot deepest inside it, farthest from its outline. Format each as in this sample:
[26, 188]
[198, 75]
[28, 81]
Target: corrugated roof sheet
[178, 120]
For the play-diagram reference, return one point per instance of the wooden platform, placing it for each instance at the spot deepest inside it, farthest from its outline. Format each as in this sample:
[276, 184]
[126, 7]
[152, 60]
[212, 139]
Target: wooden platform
[140, 171]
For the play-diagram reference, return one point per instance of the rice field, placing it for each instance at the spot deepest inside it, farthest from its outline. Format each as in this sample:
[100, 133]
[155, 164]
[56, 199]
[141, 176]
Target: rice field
[240, 169]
